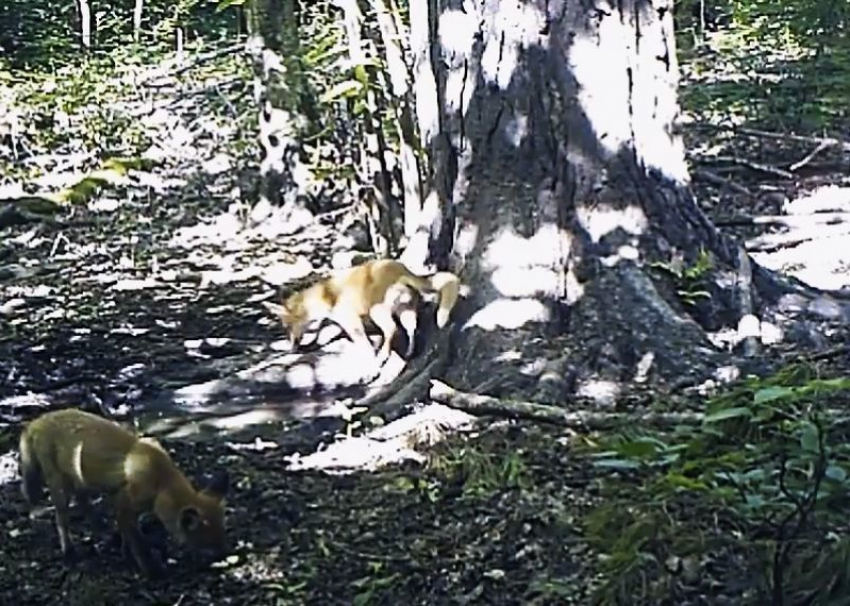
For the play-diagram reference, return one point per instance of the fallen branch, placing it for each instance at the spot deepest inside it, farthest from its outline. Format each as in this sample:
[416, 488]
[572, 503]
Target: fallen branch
[801, 163]
[714, 179]
[757, 166]
[773, 242]
[543, 413]
[752, 132]
[829, 141]
[809, 219]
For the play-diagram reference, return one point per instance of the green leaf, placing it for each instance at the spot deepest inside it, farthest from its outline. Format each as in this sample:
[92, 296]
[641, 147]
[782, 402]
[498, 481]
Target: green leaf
[728, 413]
[622, 464]
[809, 438]
[348, 88]
[769, 394]
[223, 4]
[677, 480]
[641, 447]
[836, 473]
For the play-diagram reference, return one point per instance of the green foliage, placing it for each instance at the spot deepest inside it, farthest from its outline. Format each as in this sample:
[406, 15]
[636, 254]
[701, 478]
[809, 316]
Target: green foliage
[690, 279]
[480, 472]
[769, 62]
[764, 461]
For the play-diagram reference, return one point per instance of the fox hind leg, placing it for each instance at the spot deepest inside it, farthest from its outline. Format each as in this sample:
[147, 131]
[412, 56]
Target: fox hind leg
[382, 316]
[32, 480]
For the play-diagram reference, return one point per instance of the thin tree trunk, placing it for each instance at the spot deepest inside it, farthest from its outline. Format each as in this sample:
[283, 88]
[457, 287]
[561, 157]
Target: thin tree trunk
[138, 7]
[275, 49]
[85, 23]
[399, 80]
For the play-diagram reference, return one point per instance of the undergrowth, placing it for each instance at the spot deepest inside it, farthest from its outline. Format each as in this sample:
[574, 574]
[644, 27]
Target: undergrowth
[755, 497]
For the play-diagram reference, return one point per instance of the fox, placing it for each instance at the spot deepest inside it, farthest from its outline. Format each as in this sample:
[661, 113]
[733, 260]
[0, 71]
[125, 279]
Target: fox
[381, 289]
[76, 453]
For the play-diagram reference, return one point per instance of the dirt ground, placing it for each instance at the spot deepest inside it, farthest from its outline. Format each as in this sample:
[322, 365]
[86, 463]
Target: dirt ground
[118, 309]
[448, 535]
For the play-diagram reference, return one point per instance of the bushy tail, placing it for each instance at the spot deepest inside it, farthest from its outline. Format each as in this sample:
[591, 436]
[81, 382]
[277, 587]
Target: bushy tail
[32, 482]
[443, 282]
[448, 285]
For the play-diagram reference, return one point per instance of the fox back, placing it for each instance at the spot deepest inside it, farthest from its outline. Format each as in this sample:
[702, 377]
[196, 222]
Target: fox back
[75, 453]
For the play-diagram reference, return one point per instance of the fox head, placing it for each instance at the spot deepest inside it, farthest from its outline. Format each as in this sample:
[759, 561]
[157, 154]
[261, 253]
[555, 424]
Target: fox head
[293, 315]
[200, 523]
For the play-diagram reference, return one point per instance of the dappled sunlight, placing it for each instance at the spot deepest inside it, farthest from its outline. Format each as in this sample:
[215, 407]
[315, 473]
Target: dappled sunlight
[515, 29]
[520, 281]
[602, 219]
[521, 269]
[602, 84]
[509, 314]
[392, 444]
[9, 467]
[177, 427]
[811, 248]
[509, 249]
[600, 390]
[26, 400]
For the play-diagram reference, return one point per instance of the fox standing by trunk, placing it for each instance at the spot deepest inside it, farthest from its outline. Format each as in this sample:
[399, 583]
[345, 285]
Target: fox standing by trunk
[74, 453]
[378, 289]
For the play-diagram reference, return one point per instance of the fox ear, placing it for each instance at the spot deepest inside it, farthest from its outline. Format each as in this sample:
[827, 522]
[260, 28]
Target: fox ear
[190, 519]
[275, 309]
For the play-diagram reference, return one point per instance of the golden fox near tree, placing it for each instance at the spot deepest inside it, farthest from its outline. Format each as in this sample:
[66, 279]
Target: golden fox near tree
[378, 289]
[75, 453]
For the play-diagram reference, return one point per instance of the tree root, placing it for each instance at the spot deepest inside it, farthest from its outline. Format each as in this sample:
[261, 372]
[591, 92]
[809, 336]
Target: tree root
[411, 385]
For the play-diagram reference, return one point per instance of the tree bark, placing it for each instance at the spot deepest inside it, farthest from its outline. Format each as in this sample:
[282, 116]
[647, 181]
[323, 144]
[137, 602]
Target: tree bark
[85, 23]
[138, 8]
[558, 176]
[275, 48]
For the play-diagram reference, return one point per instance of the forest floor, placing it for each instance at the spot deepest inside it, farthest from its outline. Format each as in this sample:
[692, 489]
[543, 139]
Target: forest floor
[100, 313]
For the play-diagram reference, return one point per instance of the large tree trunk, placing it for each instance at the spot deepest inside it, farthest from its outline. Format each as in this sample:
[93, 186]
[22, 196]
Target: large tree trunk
[556, 170]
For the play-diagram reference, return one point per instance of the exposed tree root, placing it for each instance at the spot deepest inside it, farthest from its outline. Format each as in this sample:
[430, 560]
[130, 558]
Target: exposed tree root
[412, 384]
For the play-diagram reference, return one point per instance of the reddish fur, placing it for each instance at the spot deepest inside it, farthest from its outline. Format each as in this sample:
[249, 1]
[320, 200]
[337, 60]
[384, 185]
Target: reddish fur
[75, 453]
[379, 289]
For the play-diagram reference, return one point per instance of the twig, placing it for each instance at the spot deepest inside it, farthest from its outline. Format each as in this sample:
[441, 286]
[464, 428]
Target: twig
[801, 163]
[196, 61]
[834, 352]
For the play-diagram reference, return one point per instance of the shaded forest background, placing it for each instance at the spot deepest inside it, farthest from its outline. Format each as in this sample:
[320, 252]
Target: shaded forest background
[134, 254]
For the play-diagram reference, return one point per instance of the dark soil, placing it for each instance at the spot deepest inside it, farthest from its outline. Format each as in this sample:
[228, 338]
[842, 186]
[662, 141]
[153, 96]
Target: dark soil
[452, 534]
[112, 312]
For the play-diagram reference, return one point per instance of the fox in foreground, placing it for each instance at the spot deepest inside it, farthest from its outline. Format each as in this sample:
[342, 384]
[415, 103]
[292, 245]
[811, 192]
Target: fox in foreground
[380, 290]
[75, 453]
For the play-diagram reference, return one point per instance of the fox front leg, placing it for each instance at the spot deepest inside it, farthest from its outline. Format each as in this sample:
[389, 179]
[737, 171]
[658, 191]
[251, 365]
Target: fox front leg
[60, 495]
[132, 542]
